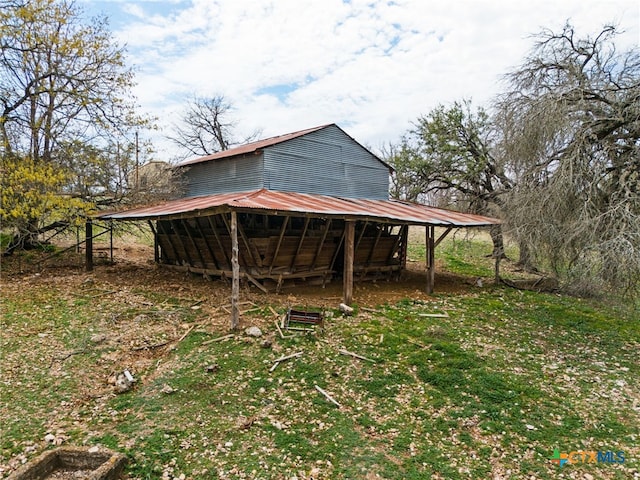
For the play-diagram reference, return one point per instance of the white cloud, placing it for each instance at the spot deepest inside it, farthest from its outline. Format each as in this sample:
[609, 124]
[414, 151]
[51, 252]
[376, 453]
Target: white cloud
[372, 66]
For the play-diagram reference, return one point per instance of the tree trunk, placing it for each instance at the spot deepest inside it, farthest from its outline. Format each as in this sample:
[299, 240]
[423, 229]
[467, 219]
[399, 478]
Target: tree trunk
[498, 242]
[525, 261]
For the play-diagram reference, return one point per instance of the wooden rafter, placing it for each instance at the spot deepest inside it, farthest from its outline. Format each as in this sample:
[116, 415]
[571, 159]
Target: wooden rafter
[187, 229]
[397, 243]
[373, 247]
[247, 245]
[321, 244]
[364, 228]
[162, 230]
[182, 244]
[220, 245]
[282, 232]
[337, 252]
[205, 239]
[304, 232]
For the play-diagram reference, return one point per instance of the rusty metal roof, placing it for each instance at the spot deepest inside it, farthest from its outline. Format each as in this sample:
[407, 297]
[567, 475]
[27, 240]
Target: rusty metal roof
[251, 147]
[285, 203]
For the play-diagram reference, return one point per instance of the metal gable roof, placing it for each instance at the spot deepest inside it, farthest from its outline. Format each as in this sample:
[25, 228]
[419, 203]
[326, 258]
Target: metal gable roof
[253, 147]
[273, 202]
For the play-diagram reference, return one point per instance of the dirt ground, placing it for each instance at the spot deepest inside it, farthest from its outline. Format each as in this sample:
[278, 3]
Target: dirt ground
[133, 267]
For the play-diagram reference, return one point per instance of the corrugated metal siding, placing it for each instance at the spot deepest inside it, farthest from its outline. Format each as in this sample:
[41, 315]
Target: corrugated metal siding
[225, 176]
[325, 162]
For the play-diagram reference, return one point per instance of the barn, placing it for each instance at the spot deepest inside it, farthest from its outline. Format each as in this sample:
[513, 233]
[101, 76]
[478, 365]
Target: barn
[307, 206]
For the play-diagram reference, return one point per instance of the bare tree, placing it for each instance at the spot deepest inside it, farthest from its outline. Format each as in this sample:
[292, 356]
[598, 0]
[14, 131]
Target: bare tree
[207, 127]
[572, 123]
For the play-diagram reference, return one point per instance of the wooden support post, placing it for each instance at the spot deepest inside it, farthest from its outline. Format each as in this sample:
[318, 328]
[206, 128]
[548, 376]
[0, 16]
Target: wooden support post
[349, 238]
[111, 241]
[235, 271]
[167, 234]
[430, 253]
[156, 245]
[88, 236]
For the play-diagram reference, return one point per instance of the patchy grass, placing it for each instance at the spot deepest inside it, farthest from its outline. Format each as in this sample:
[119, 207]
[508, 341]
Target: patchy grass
[487, 391]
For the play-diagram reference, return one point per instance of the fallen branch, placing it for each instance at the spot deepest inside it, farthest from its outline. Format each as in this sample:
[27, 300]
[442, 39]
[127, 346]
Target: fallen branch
[434, 315]
[219, 339]
[68, 355]
[355, 355]
[282, 359]
[288, 357]
[149, 347]
[421, 345]
[328, 397]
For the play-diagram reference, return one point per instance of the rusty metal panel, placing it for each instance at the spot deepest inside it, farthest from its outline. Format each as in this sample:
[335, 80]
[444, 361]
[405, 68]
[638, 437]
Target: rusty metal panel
[323, 206]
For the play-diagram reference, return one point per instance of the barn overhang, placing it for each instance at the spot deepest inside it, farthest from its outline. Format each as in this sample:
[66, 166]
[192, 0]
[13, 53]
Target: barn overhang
[311, 235]
[269, 202]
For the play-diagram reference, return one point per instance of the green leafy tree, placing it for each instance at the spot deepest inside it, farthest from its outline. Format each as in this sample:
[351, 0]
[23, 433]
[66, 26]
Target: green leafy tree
[63, 83]
[451, 149]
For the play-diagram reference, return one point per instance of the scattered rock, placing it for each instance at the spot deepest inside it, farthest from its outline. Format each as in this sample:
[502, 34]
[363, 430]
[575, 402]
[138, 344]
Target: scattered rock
[213, 368]
[50, 438]
[346, 309]
[253, 332]
[98, 338]
[266, 343]
[123, 384]
[167, 389]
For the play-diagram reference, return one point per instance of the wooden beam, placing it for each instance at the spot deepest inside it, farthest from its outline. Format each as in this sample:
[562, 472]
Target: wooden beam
[156, 246]
[88, 235]
[220, 245]
[168, 235]
[364, 227]
[442, 237]
[396, 244]
[206, 242]
[235, 275]
[349, 249]
[335, 255]
[282, 232]
[182, 244]
[321, 244]
[187, 229]
[430, 254]
[254, 261]
[374, 246]
[295, 256]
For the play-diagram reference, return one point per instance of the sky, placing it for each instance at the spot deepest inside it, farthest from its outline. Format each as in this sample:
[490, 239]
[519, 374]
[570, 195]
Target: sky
[371, 66]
